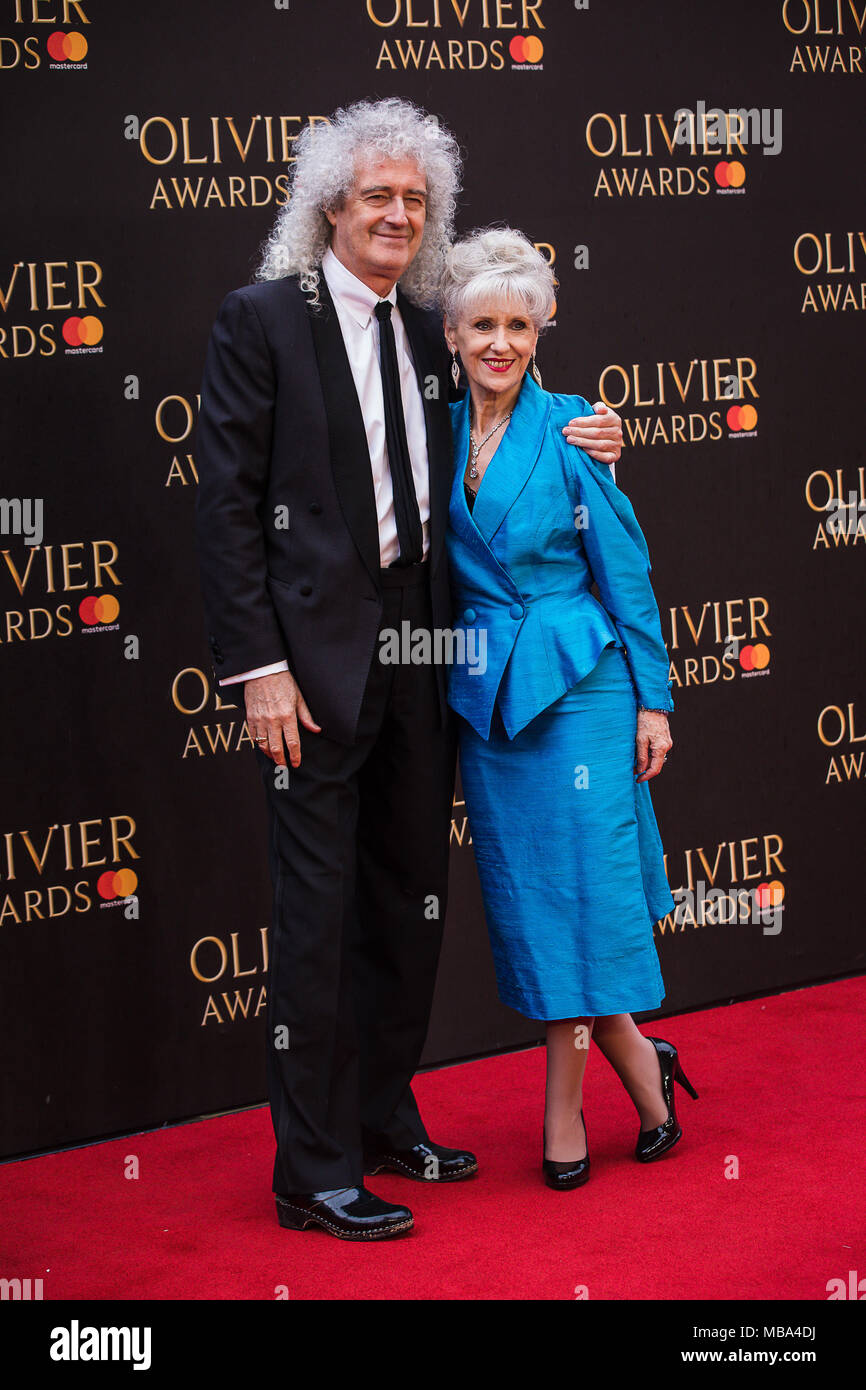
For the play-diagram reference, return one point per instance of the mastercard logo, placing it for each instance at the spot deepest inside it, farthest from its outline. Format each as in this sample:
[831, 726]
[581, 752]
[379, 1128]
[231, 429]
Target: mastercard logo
[103, 608]
[742, 417]
[730, 174]
[767, 894]
[755, 658]
[116, 883]
[526, 49]
[66, 48]
[77, 331]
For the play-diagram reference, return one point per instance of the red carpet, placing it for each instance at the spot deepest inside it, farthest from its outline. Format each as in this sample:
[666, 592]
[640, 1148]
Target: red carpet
[781, 1086]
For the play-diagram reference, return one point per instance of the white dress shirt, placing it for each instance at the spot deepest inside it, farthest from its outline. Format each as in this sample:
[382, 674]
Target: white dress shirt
[354, 303]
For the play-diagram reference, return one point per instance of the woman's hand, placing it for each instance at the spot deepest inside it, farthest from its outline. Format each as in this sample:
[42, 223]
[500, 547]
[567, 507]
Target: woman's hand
[653, 742]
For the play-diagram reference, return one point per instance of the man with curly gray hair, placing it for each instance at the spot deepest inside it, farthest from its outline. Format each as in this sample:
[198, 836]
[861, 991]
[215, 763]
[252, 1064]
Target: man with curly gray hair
[325, 173]
[324, 456]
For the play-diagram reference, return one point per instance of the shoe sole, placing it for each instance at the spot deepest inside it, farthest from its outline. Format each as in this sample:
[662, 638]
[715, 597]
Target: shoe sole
[570, 1187]
[395, 1166]
[295, 1219]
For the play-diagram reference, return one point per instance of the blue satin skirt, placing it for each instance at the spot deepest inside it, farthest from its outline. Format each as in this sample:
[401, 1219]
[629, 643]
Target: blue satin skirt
[568, 853]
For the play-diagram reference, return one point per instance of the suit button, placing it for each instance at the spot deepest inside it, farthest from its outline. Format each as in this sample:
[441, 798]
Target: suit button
[219, 658]
[469, 615]
[516, 610]
[306, 590]
[315, 509]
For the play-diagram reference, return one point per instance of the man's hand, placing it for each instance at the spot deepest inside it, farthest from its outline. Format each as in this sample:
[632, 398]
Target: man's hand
[599, 435]
[274, 706]
[653, 743]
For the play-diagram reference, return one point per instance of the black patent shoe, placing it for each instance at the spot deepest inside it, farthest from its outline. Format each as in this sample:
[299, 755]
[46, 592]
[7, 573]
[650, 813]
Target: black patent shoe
[350, 1213]
[562, 1177]
[425, 1162]
[655, 1143]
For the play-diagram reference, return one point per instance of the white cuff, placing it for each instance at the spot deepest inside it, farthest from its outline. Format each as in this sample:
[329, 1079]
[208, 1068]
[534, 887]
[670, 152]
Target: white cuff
[259, 671]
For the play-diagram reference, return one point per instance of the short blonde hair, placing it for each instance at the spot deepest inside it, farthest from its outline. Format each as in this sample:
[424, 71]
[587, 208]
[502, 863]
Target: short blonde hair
[496, 263]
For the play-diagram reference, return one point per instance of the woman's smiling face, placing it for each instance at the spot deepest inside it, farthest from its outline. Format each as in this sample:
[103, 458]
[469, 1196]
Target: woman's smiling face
[495, 341]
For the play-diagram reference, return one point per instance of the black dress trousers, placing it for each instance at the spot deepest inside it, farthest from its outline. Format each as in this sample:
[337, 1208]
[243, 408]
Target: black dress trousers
[359, 865]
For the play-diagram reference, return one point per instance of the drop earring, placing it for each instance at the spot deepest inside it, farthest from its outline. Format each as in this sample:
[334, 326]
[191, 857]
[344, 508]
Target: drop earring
[535, 372]
[455, 368]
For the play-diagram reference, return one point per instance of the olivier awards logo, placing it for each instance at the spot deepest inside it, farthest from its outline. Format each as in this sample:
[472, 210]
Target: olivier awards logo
[458, 35]
[195, 160]
[212, 961]
[827, 255]
[838, 729]
[724, 640]
[216, 723]
[174, 420]
[706, 133]
[677, 140]
[59, 590]
[840, 500]
[44, 33]
[68, 868]
[683, 402]
[836, 26]
[736, 883]
[31, 291]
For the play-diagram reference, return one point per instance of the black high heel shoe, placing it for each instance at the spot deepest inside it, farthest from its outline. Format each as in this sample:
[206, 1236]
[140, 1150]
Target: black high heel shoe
[655, 1143]
[562, 1177]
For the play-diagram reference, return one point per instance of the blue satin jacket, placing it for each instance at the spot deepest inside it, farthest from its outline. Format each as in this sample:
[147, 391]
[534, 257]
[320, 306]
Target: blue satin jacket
[546, 523]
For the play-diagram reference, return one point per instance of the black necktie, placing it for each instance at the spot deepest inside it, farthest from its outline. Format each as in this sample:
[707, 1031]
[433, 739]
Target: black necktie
[407, 516]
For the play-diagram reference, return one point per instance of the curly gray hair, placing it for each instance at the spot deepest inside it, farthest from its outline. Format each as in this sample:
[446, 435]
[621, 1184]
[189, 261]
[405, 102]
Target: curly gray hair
[496, 263]
[324, 173]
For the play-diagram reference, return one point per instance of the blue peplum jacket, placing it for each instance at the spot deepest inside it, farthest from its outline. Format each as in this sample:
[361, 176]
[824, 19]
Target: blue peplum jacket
[546, 523]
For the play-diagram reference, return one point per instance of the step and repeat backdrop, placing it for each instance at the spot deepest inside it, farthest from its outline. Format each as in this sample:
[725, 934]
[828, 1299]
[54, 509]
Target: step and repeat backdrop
[694, 173]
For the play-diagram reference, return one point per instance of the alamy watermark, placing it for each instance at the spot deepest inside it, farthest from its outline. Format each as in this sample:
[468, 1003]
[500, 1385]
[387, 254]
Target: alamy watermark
[438, 646]
[22, 516]
[77, 1343]
[845, 518]
[710, 125]
[718, 906]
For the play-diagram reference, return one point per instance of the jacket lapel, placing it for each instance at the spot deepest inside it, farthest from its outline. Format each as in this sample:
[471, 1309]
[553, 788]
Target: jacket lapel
[462, 520]
[436, 420]
[508, 470]
[350, 456]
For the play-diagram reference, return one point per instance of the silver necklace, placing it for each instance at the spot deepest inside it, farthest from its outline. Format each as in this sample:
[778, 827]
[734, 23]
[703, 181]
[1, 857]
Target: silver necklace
[476, 448]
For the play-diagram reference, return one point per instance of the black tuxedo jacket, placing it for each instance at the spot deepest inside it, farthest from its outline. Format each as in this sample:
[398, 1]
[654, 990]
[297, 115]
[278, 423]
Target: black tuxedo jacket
[286, 526]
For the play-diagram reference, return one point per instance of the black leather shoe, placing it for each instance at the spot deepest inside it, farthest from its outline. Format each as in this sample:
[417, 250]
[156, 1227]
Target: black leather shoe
[350, 1213]
[426, 1162]
[655, 1143]
[562, 1177]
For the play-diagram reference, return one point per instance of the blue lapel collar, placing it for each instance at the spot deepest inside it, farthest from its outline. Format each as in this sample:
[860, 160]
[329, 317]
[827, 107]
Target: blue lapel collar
[461, 519]
[508, 470]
